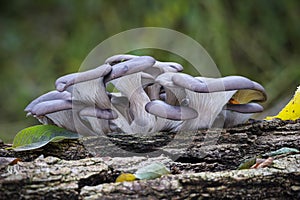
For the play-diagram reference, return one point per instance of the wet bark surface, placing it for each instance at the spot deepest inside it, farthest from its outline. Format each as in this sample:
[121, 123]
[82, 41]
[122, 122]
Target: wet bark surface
[203, 164]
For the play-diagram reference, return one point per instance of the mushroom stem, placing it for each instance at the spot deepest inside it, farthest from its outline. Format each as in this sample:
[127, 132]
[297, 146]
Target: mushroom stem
[131, 87]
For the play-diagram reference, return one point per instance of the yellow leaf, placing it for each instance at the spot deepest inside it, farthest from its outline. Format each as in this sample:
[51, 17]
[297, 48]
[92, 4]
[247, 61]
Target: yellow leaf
[292, 110]
[125, 177]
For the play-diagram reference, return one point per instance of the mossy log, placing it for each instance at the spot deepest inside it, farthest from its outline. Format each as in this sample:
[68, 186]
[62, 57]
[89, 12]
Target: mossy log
[203, 165]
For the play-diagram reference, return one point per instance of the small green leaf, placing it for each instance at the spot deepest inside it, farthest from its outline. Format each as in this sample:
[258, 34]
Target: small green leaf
[37, 136]
[246, 164]
[154, 170]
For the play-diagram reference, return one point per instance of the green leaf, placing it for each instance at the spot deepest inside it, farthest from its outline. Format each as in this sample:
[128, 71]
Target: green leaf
[154, 170]
[246, 164]
[37, 136]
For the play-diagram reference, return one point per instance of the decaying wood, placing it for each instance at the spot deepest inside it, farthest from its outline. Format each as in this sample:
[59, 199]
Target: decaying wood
[87, 168]
[281, 181]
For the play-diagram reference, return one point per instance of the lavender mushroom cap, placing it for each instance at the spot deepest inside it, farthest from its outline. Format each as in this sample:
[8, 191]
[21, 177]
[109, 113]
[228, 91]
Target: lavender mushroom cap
[245, 108]
[53, 95]
[164, 110]
[216, 85]
[119, 58]
[47, 107]
[65, 81]
[131, 66]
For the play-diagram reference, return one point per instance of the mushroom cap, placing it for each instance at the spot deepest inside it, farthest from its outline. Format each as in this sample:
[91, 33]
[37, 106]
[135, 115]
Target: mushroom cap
[247, 90]
[165, 80]
[162, 67]
[168, 66]
[65, 81]
[52, 95]
[128, 67]
[119, 58]
[164, 110]
[205, 85]
[52, 106]
[245, 108]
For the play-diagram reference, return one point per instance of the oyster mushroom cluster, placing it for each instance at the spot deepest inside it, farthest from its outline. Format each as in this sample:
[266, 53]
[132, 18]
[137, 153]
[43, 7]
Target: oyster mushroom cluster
[149, 96]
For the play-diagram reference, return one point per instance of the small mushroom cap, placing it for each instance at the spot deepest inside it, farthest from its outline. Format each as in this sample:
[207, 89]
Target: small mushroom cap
[189, 82]
[53, 95]
[164, 110]
[162, 67]
[245, 108]
[168, 66]
[52, 106]
[98, 113]
[131, 66]
[119, 58]
[65, 81]
[165, 80]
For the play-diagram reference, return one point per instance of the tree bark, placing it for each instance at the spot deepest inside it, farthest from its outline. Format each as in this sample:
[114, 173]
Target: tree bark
[203, 165]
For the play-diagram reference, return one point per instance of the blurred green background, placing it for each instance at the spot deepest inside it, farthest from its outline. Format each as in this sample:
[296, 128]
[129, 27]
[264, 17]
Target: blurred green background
[42, 40]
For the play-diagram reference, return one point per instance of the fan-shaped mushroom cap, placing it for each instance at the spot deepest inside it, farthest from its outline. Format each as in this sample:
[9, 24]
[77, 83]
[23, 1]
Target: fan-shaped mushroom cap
[162, 67]
[168, 66]
[245, 108]
[119, 58]
[65, 81]
[47, 107]
[247, 90]
[53, 95]
[164, 110]
[131, 66]
[202, 84]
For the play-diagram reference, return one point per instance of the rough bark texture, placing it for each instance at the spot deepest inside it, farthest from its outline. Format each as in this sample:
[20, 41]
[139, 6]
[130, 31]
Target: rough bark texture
[283, 183]
[204, 165]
